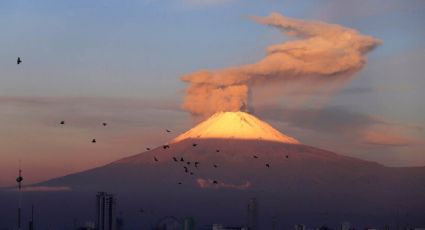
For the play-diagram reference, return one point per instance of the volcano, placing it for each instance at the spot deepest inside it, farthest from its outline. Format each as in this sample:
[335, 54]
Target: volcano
[211, 171]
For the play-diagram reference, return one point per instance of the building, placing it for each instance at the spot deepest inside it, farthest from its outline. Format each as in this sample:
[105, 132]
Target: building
[252, 214]
[300, 227]
[188, 223]
[105, 211]
[222, 227]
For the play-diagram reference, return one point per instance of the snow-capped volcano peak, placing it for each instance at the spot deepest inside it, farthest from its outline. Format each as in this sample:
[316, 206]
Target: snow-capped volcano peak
[235, 125]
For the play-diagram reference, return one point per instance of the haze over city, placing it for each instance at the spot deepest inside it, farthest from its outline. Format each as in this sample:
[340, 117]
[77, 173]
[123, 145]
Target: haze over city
[315, 96]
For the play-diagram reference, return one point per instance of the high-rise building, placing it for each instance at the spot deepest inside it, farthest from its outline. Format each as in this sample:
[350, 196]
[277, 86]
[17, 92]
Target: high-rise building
[252, 214]
[299, 227]
[105, 211]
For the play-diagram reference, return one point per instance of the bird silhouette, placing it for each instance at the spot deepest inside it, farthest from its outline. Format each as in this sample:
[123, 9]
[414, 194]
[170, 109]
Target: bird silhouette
[194, 145]
[255, 157]
[215, 182]
[196, 164]
[180, 182]
[104, 124]
[181, 159]
[215, 166]
[287, 156]
[168, 131]
[18, 61]
[93, 141]
[62, 122]
[156, 159]
[148, 149]
[188, 162]
[174, 158]
[165, 146]
[191, 173]
[186, 169]
[218, 150]
[268, 165]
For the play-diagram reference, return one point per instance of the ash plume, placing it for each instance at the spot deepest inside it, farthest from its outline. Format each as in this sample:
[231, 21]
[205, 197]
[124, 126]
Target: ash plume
[319, 52]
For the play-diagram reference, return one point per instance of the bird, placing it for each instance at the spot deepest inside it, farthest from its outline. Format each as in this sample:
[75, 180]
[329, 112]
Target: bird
[268, 165]
[181, 159]
[194, 144]
[174, 158]
[93, 141]
[191, 173]
[215, 182]
[215, 166]
[18, 61]
[287, 156]
[62, 122]
[156, 159]
[148, 149]
[168, 131]
[104, 124]
[180, 182]
[196, 164]
[188, 162]
[185, 169]
[218, 150]
[165, 146]
[255, 157]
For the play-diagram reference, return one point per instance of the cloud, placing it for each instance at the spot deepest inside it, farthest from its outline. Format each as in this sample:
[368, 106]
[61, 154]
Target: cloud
[44, 189]
[208, 183]
[320, 54]
[342, 122]
[387, 136]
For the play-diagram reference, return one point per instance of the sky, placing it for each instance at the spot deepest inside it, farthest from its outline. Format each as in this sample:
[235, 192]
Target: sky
[121, 62]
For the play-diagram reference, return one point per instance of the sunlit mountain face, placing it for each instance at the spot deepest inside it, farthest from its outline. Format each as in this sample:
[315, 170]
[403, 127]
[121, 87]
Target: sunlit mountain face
[235, 125]
[211, 172]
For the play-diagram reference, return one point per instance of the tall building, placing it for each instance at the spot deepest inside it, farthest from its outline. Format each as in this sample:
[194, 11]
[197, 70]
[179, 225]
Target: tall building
[105, 211]
[252, 214]
[299, 227]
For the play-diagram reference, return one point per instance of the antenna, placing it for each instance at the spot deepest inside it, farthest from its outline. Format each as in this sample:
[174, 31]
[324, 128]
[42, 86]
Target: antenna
[19, 179]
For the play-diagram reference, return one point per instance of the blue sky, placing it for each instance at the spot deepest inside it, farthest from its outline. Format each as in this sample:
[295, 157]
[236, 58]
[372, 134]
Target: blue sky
[85, 60]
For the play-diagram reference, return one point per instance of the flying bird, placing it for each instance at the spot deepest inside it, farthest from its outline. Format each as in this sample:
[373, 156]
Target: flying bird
[196, 164]
[188, 162]
[218, 150]
[215, 182]
[168, 131]
[62, 122]
[93, 141]
[268, 165]
[215, 166]
[287, 156]
[191, 173]
[165, 146]
[18, 61]
[148, 149]
[181, 159]
[174, 158]
[104, 124]
[180, 182]
[194, 144]
[255, 157]
[156, 159]
[185, 169]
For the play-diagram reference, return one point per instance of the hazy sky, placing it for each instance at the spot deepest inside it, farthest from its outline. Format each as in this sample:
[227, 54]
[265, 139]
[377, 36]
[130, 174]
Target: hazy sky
[87, 61]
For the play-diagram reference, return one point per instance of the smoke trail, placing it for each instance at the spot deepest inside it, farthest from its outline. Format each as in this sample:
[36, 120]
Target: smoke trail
[320, 52]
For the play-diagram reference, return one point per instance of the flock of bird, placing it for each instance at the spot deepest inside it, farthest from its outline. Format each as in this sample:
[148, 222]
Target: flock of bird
[187, 163]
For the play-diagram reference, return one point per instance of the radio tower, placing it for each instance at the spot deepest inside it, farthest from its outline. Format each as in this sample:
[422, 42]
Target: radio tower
[19, 179]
